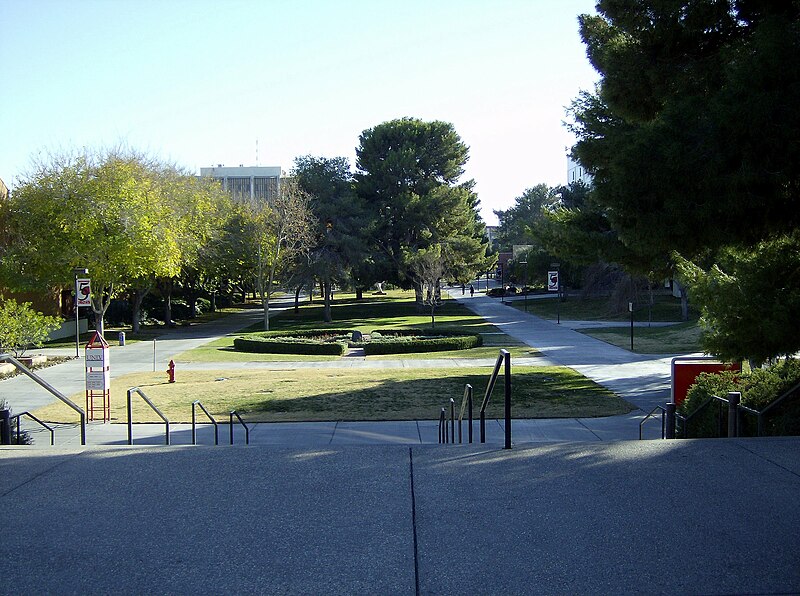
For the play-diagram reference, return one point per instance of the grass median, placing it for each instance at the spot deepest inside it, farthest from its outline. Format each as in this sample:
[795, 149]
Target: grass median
[319, 394]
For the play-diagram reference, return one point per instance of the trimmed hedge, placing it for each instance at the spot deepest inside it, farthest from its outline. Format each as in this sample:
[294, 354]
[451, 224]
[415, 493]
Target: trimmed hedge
[760, 388]
[313, 342]
[404, 341]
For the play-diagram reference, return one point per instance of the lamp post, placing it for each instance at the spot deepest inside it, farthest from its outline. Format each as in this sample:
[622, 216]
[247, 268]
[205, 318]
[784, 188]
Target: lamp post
[78, 271]
[525, 282]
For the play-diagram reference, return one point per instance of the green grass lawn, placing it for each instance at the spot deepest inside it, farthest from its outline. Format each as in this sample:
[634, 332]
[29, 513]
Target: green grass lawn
[353, 394]
[665, 309]
[675, 339]
[395, 310]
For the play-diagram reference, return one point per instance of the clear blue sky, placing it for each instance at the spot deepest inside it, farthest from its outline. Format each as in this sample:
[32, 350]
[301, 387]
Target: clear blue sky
[198, 82]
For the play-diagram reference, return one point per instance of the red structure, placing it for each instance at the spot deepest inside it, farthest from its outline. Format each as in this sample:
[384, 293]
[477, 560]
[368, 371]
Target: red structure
[686, 369]
[98, 377]
[171, 371]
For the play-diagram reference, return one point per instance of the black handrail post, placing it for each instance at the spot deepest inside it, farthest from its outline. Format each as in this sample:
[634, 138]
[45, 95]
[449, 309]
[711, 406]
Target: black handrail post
[5, 427]
[441, 426]
[453, 421]
[507, 357]
[130, 419]
[231, 426]
[670, 429]
[734, 397]
[469, 405]
[483, 427]
[194, 424]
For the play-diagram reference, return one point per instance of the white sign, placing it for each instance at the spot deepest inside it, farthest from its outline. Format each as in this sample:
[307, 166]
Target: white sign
[83, 292]
[98, 380]
[552, 281]
[97, 358]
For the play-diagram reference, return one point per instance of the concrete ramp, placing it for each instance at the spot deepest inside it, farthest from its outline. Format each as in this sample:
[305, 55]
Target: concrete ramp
[704, 516]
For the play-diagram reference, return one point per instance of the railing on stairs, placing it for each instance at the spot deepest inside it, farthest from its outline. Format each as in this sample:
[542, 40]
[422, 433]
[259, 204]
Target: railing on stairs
[729, 416]
[466, 403]
[194, 422]
[47, 386]
[448, 435]
[35, 419]
[246, 428]
[146, 399]
[503, 358]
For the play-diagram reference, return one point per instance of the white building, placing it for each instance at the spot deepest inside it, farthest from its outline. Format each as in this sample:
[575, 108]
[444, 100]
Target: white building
[577, 173]
[247, 183]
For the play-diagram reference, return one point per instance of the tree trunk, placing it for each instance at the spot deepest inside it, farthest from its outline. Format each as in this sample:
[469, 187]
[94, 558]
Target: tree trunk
[418, 296]
[326, 288]
[99, 307]
[136, 308]
[684, 302]
[359, 294]
[167, 289]
[297, 299]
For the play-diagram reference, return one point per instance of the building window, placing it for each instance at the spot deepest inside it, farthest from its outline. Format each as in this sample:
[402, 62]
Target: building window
[265, 187]
[239, 187]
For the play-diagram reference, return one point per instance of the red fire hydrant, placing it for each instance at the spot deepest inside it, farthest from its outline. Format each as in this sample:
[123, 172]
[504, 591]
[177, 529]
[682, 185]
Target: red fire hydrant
[171, 371]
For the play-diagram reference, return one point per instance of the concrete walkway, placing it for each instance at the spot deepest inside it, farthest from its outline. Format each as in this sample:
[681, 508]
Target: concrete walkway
[642, 380]
[653, 517]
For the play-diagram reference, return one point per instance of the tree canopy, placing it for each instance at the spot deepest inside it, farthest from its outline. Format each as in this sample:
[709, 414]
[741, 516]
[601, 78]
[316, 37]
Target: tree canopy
[408, 177]
[691, 137]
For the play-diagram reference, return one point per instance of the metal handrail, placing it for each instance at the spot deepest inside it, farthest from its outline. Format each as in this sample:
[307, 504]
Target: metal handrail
[452, 420]
[442, 427]
[466, 401]
[34, 418]
[760, 414]
[503, 357]
[650, 415]
[146, 399]
[246, 429]
[36, 378]
[194, 422]
[732, 400]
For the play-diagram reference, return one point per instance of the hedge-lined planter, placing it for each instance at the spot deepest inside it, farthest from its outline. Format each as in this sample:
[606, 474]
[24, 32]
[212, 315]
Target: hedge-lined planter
[313, 342]
[405, 341]
[334, 342]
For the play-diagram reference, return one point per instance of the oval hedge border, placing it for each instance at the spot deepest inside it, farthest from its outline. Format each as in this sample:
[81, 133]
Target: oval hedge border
[443, 340]
[293, 342]
[388, 341]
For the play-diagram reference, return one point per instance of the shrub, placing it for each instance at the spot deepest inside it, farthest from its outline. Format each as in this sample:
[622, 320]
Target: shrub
[315, 342]
[404, 341]
[760, 388]
[21, 327]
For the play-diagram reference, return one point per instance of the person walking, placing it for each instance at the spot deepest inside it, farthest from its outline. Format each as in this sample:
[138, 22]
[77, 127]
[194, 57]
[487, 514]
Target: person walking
[471, 291]
[463, 289]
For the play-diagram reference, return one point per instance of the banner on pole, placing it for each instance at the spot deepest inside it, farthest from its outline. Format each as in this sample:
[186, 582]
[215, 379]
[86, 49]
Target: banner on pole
[552, 281]
[83, 292]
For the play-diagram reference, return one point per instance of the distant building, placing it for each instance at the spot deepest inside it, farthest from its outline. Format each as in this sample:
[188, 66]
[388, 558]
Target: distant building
[247, 183]
[3, 190]
[577, 173]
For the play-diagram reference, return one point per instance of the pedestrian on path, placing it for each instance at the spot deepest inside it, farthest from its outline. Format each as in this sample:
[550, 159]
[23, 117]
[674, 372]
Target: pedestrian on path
[463, 289]
[471, 291]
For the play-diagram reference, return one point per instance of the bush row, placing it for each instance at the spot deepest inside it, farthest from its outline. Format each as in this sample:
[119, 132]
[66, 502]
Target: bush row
[335, 341]
[314, 342]
[759, 388]
[404, 341]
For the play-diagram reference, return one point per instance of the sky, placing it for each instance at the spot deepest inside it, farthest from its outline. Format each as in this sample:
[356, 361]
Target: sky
[251, 82]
